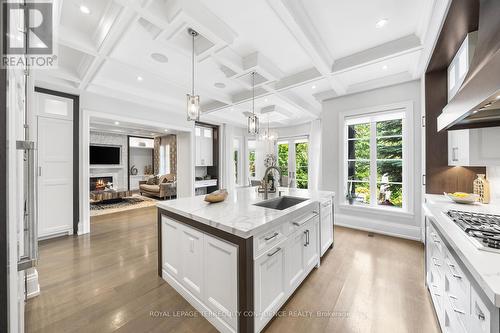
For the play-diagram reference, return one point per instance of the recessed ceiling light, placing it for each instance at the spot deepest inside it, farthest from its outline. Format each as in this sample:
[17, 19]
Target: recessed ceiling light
[84, 9]
[232, 109]
[382, 23]
[117, 123]
[384, 67]
[313, 87]
[166, 130]
[140, 78]
[219, 85]
[159, 57]
[498, 97]
[265, 100]
[475, 111]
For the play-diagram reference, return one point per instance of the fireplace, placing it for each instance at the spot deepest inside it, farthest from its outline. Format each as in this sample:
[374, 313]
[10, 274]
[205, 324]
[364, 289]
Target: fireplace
[100, 183]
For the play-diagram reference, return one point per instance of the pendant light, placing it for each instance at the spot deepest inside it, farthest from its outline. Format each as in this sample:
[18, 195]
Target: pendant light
[253, 121]
[193, 101]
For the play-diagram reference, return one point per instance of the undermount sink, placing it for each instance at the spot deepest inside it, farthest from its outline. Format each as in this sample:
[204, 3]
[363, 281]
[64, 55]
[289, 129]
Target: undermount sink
[281, 202]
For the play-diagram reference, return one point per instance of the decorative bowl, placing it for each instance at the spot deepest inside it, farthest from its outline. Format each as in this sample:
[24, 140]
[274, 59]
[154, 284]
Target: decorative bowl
[463, 198]
[216, 196]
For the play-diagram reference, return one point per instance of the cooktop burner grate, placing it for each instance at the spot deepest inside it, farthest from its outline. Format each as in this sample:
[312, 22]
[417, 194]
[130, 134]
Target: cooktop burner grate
[484, 227]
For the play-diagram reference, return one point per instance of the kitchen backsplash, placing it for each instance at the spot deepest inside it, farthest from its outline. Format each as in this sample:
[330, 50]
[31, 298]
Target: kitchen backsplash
[493, 175]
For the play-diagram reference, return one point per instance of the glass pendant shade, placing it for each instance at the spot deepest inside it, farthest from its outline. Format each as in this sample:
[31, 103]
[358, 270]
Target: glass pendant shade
[253, 124]
[193, 107]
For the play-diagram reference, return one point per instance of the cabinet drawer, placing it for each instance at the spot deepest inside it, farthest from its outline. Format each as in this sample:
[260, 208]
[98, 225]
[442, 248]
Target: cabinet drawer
[435, 287]
[297, 223]
[459, 284]
[326, 207]
[267, 240]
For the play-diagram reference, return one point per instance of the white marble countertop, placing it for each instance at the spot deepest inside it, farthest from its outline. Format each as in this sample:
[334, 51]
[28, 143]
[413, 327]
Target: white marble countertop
[483, 265]
[237, 214]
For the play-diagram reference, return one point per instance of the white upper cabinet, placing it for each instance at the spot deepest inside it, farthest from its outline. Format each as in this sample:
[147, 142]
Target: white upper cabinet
[204, 146]
[460, 64]
[474, 147]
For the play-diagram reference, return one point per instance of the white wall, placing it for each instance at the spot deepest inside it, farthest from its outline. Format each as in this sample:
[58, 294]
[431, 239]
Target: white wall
[404, 225]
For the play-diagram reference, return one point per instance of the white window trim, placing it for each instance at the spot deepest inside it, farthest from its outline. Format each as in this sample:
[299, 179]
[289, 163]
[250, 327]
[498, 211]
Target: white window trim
[408, 153]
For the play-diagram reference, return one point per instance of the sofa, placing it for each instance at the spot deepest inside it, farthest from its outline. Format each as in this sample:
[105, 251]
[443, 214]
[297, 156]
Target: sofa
[165, 186]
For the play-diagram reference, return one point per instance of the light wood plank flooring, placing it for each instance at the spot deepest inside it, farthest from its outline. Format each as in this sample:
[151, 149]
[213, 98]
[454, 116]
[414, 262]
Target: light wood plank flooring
[107, 282]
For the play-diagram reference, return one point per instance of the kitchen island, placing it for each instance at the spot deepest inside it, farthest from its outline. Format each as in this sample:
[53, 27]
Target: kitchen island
[238, 261]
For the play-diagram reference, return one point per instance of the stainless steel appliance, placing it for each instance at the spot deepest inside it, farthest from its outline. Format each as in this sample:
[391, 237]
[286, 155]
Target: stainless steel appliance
[482, 229]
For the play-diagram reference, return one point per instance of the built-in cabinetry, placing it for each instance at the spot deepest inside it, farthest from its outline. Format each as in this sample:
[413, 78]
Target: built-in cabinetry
[140, 157]
[474, 147]
[326, 228]
[457, 301]
[204, 146]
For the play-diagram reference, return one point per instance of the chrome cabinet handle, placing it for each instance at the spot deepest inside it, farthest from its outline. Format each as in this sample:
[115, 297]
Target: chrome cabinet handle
[453, 273]
[434, 260]
[274, 252]
[452, 301]
[305, 234]
[30, 254]
[271, 237]
[307, 237]
[298, 224]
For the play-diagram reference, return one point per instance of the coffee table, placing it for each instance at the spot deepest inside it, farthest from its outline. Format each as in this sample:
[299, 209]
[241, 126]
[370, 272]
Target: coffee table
[109, 195]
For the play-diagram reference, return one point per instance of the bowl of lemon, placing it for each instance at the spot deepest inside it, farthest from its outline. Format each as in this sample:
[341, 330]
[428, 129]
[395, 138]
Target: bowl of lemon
[463, 198]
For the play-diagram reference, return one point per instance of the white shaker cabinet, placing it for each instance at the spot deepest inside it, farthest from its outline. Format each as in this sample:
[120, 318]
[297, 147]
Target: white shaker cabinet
[204, 146]
[191, 242]
[474, 147]
[270, 286]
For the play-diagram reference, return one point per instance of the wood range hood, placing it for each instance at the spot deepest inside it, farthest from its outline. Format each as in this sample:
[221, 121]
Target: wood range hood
[477, 102]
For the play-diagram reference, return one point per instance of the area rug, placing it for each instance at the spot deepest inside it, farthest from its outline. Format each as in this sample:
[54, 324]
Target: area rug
[134, 202]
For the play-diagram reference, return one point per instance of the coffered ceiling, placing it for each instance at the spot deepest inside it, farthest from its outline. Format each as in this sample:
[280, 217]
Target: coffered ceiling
[303, 51]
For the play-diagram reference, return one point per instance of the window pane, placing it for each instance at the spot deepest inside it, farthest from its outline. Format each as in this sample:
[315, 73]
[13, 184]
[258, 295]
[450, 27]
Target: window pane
[358, 149]
[390, 171]
[390, 127]
[360, 192]
[390, 195]
[358, 131]
[283, 158]
[251, 163]
[390, 148]
[301, 164]
[357, 170]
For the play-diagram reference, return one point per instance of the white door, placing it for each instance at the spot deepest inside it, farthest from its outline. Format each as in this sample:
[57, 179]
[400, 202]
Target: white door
[55, 165]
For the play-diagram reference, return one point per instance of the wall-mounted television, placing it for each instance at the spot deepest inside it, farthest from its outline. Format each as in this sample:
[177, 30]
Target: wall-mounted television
[105, 155]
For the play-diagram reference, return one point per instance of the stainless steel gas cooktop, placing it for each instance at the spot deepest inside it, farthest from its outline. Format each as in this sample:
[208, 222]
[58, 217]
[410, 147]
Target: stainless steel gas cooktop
[484, 229]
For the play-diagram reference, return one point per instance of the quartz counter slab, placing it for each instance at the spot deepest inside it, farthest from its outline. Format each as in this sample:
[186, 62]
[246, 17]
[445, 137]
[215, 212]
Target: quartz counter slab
[237, 214]
[484, 266]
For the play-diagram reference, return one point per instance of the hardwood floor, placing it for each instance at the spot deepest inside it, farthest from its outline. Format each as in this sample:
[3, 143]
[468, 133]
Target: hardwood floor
[107, 282]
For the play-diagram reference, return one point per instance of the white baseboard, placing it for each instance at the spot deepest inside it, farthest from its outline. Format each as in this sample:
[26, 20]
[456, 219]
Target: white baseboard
[379, 226]
[33, 287]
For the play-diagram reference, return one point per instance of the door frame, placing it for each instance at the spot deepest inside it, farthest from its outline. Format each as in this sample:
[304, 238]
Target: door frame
[4, 271]
[76, 150]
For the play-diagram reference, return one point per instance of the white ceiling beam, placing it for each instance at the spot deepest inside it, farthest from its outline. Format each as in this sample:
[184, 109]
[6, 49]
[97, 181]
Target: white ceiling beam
[380, 82]
[297, 79]
[76, 40]
[383, 52]
[294, 17]
[290, 98]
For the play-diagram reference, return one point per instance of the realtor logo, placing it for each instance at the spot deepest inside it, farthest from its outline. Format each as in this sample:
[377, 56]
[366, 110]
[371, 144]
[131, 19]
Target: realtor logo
[28, 38]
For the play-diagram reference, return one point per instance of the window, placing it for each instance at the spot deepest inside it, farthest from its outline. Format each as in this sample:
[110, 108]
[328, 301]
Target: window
[236, 161]
[164, 159]
[301, 163]
[374, 164]
[251, 158]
